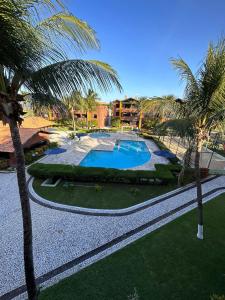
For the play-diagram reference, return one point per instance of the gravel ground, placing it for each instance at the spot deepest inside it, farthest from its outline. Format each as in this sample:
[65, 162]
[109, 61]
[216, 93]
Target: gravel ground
[60, 236]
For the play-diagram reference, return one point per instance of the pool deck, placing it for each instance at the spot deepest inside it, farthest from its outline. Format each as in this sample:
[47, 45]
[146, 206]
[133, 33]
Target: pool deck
[77, 150]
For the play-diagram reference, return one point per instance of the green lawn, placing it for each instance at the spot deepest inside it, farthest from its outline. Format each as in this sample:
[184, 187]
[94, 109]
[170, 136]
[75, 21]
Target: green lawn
[168, 264]
[110, 196]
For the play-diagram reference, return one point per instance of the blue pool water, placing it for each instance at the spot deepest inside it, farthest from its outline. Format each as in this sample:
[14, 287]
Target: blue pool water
[99, 135]
[126, 154]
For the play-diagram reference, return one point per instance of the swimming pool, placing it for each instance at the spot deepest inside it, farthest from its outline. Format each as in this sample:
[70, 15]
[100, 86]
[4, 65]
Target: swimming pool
[126, 154]
[97, 135]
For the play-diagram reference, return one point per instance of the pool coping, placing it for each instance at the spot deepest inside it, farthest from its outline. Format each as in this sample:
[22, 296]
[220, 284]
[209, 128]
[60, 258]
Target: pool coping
[108, 212]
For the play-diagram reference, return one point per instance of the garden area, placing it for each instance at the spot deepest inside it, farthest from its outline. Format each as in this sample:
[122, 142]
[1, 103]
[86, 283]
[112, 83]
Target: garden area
[99, 195]
[169, 263]
[102, 188]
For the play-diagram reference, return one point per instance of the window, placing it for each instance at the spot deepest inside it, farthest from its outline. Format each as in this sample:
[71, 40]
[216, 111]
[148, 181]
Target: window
[117, 114]
[95, 116]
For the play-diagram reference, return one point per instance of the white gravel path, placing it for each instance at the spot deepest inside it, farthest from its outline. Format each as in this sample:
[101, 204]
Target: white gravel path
[60, 236]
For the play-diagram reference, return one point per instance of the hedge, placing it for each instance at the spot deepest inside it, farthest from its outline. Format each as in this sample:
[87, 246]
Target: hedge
[163, 174]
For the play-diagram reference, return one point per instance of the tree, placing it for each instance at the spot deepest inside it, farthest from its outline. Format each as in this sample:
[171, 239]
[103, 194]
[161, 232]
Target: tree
[73, 103]
[32, 58]
[184, 129]
[90, 103]
[204, 101]
[155, 108]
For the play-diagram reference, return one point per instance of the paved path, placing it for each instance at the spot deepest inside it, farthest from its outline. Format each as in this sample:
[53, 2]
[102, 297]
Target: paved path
[65, 242]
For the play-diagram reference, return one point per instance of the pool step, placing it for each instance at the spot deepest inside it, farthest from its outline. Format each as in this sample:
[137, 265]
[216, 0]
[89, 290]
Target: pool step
[105, 146]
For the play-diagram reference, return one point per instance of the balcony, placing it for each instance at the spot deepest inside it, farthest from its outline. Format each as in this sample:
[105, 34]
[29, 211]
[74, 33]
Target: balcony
[130, 118]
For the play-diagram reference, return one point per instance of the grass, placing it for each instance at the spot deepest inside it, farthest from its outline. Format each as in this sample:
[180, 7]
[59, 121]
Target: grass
[103, 196]
[170, 263]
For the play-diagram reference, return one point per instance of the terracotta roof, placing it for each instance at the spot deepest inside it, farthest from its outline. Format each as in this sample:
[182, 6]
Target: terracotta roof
[6, 144]
[34, 122]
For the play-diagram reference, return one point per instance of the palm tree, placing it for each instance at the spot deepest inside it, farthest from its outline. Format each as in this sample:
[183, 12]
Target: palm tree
[184, 129]
[73, 103]
[90, 103]
[31, 57]
[157, 107]
[204, 101]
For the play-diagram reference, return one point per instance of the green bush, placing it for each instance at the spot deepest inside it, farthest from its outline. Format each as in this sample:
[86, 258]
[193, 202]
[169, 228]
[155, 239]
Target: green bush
[93, 123]
[81, 123]
[98, 188]
[3, 164]
[162, 174]
[115, 122]
[52, 145]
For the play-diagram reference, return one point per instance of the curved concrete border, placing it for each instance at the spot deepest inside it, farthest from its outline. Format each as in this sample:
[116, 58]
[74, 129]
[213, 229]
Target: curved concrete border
[108, 212]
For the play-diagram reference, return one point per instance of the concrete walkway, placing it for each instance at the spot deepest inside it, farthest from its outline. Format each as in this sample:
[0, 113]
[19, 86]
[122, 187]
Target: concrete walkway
[65, 242]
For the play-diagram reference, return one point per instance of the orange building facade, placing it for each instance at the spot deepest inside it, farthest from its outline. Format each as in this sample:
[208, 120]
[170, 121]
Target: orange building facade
[128, 112]
[100, 115]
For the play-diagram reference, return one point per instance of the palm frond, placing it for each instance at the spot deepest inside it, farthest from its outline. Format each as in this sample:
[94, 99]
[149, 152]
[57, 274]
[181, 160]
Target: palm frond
[181, 127]
[191, 90]
[212, 78]
[61, 79]
[66, 26]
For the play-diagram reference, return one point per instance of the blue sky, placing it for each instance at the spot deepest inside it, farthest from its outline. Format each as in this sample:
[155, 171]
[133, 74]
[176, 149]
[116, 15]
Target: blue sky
[138, 37]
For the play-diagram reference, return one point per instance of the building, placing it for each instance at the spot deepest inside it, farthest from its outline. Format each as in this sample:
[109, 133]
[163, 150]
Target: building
[99, 116]
[128, 112]
[33, 133]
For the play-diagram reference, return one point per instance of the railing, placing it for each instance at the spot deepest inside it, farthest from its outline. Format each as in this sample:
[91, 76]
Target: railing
[208, 158]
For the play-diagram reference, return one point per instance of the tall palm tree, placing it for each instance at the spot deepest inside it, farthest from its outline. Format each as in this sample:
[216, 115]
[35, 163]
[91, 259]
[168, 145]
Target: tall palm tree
[32, 58]
[90, 103]
[185, 130]
[203, 105]
[157, 107]
[73, 103]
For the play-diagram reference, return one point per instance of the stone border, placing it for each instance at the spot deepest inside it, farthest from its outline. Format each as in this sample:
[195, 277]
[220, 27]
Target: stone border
[73, 266]
[107, 212]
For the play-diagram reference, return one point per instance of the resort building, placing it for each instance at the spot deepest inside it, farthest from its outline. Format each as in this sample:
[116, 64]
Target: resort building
[127, 111]
[33, 133]
[99, 116]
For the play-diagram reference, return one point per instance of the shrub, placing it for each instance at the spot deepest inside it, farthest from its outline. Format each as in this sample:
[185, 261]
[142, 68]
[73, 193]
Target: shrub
[72, 135]
[52, 145]
[3, 163]
[162, 174]
[82, 123]
[93, 123]
[134, 191]
[98, 188]
[115, 122]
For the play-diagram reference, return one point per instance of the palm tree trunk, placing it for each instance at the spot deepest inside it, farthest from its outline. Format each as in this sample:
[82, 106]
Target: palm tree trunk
[140, 120]
[87, 120]
[73, 119]
[199, 188]
[26, 213]
[186, 164]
